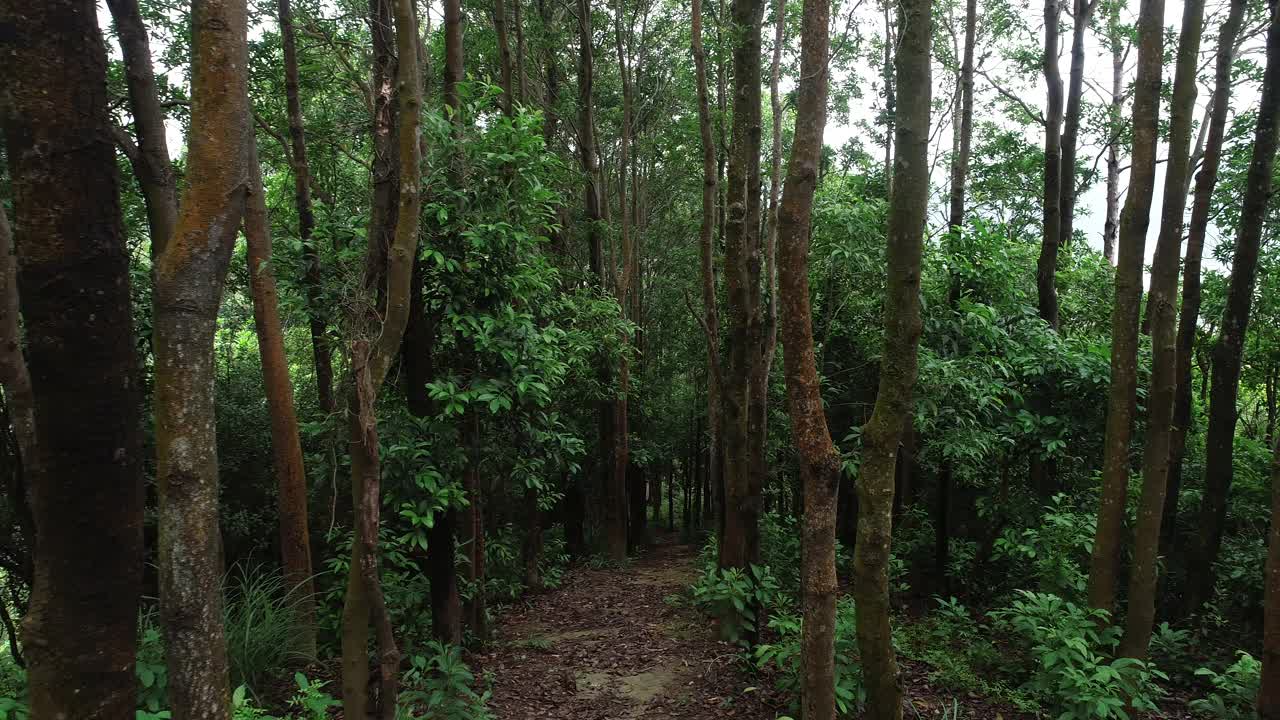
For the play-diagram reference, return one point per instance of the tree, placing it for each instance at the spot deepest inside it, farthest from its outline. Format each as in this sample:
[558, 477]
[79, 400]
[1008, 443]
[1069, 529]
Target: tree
[908, 202]
[739, 541]
[375, 343]
[1051, 241]
[1229, 349]
[1082, 10]
[1162, 300]
[1116, 43]
[149, 156]
[189, 274]
[295, 538]
[1189, 314]
[818, 460]
[312, 278]
[1121, 398]
[82, 455]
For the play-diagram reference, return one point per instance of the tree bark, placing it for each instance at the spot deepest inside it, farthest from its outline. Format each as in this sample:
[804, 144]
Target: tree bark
[1051, 240]
[706, 249]
[1121, 400]
[740, 537]
[1082, 11]
[615, 491]
[151, 164]
[1227, 353]
[1111, 225]
[1269, 685]
[1189, 315]
[902, 323]
[504, 57]
[1162, 301]
[312, 280]
[189, 275]
[286, 447]
[818, 459]
[383, 213]
[376, 341]
[83, 440]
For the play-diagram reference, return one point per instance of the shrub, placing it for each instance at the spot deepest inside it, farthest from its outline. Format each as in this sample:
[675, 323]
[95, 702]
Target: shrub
[1234, 690]
[733, 597]
[784, 654]
[1072, 670]
[440, 684]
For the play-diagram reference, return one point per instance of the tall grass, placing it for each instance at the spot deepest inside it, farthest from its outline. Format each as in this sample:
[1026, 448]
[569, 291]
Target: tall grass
[261, 619]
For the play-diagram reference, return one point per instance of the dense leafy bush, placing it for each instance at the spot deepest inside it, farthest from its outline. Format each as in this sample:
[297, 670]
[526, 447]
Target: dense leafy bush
[1071, 649]
[784, 656]
[439, 685]
[1234, 690]
[735, 597]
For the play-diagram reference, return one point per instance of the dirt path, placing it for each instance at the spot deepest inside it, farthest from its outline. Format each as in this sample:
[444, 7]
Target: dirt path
[606, 646]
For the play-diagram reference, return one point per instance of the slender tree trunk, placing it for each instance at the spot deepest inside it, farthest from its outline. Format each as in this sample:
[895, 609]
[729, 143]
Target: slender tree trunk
[1082, 11]
[1189, 315]
[1162, 301]
[295, 538]
[1103, 569]
[376, 341]
[616, 491]
[517, 16]
[189, 275]
[1111, 225]
[383, 213]
[706, 249]
[890, 96]
[1227, 353]
[77, 414]
[312, 280]
[1051, 240]
[150, 162]
[1269, 685]
[740, 536]
[504, 57]
[818, 459]
[907, 206]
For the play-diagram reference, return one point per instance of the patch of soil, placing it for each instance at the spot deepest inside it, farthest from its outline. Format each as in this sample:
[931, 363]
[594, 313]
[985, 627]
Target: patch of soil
[606, 646]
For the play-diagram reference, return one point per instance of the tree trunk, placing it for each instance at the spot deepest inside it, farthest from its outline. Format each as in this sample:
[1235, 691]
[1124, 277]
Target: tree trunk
[295, 539]
[1082, 11]
[1051, 240]
[1162, 301]
[1116, 40]
[740, 537]
[312, 280]
[80, 429]
[1269, 684]
[189, 275]
[150, 163]
[907, 205]
[376, 340]
[818, 459]
[621, 477]
[1121, 400]
[1227, 353]
[504, 57]
[1189, 315]
[890, 96]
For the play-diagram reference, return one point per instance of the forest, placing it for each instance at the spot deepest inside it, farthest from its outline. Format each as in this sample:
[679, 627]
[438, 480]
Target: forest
[639, 359]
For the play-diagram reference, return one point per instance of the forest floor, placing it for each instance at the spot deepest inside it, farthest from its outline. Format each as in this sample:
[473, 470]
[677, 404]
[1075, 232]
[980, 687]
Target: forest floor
[609, 645]
[625, 643]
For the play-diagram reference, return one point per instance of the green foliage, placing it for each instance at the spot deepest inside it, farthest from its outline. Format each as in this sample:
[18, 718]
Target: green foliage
[441, 685]
[153, 674]
[12, 709]
[784, 655]
[1234, 690]
[1056, 550]
[735, 597]
[311, 699]
[1071, 655]
[261, 616]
